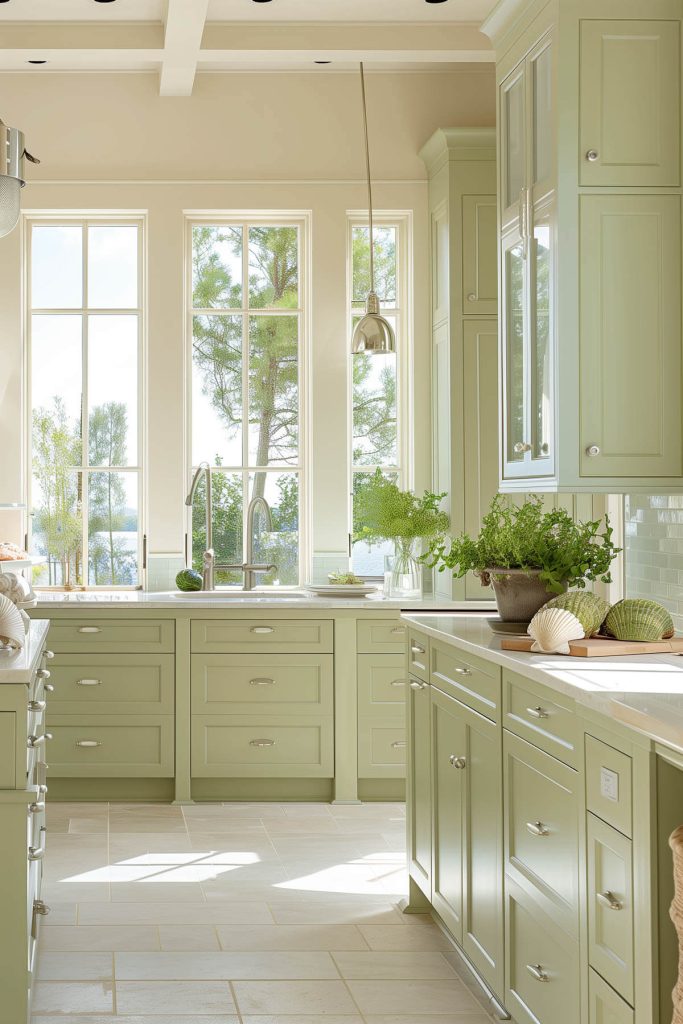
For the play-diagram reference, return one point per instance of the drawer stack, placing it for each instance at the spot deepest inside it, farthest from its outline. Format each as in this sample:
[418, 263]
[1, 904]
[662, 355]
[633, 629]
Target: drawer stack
[262, 698]
[381, 699]
[112, 714]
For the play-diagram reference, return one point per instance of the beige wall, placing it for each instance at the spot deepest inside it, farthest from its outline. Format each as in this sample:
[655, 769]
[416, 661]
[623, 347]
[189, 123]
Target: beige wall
[249, 141]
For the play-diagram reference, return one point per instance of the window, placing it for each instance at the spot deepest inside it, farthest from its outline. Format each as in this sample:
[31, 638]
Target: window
[378, 386]
[247, 326]
[84, 323]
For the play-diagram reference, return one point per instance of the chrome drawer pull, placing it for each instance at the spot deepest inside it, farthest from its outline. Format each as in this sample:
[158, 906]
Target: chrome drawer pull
[37, 807]
[262, 682]
[89, 629]
[609, 900]
[398, 744]
[537, 712]
[261, 743]
[36, 853]
[417, 686]
[417, 649]
[36, 741]
[37, 705]
[40, 908]
[88, 682]
[457, 762]
[49, 688]
[537, 828]
[397, 682]
[49, 655]
[261, 629]
[399, 631]
[88, 743]
[463, 671]
[537, 972]
[43, 673]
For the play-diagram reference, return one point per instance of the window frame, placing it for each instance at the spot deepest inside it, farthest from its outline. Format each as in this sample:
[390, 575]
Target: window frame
[85, 219]
[301, 219]
[402, 221]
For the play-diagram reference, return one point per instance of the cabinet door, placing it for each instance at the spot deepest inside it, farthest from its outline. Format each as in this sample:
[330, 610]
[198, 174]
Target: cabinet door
[449, 766]
[610, 906]
[513, 144]
[419, 785]
[630, 345]
[514, 332]
[479, 242]
[540, 92]
[541, 333]
[630, 88]
[606, 1007]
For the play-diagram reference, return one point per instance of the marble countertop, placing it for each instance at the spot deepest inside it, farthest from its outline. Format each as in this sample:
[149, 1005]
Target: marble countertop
[643, 691]
[19, 666]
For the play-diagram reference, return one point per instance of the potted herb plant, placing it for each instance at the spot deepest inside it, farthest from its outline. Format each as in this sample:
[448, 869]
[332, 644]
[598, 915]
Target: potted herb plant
[528, 555]
[382, 511]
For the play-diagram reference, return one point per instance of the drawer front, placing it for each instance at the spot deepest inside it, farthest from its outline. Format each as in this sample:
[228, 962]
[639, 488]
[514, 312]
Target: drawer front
[381, 686]
[381, 750]
[542, 966]
[608, 784]
[112, 746]
[247, 684]
[261, 747]
[418, 655]
[471, 680]
[130, 636]
[115, 684]
[542, 717]
[542, 828]
[299, 636]
[606, 1007]
[610, 906]
[381, 636]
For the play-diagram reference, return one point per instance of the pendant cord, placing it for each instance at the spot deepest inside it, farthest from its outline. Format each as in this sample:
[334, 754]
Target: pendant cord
[367, 165]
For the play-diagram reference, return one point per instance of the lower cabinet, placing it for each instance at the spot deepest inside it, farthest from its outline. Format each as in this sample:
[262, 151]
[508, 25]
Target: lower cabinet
[610, 906]
[419, 785]
[606, 1007]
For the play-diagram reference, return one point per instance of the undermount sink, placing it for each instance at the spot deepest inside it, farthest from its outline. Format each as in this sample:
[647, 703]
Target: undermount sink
[232, 595]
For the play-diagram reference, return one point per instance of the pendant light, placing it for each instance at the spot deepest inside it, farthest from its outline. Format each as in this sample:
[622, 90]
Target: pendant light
[372, 334]
[12, 153]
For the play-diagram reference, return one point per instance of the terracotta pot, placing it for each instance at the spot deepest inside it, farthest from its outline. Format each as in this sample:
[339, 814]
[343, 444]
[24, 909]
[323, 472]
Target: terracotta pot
[519, 593]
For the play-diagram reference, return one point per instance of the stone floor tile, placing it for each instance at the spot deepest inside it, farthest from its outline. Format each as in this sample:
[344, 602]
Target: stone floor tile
[188, 937]
[411, 997]
[58, 997]
[225, 966]
[297, 936]
[58, 966]
[100, 938]
[388, 966]
[293, 997]
[182, 998]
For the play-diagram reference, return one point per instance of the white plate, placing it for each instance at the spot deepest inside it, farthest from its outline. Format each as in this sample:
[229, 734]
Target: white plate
[341, 589]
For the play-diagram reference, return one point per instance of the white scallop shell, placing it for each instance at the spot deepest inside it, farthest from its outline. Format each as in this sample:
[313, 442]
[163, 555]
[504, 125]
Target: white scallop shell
[12, 632]
[16, 587]
[552, 629]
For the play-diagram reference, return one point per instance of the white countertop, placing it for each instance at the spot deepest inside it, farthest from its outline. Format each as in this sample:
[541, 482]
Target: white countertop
[19, 666]
[643, 691]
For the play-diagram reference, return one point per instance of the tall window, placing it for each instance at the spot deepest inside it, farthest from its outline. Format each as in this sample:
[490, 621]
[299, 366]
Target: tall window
[84, 342]
[378, 391]
[247, 324]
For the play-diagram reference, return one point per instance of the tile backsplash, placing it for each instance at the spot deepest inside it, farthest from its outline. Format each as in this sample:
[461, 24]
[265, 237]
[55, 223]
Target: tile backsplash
[653, 550]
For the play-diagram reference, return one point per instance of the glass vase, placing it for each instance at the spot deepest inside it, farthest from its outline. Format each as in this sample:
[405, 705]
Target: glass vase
[406, 577]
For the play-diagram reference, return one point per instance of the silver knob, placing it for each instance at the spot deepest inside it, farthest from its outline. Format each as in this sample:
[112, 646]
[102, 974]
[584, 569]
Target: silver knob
[415, 685]
[609, 900]
[520, 447]
[37, 705]
[417, 649]
[592, 155]
[537, 972]
[40, 908]
[471, 297]
[463, 671]
[36, 853]
[537, 712]
[43, 673]
[49, 688]
[35, 741]
[592, 450]
[37, 807]
[537, 828]
[457, 762]
[49, 655]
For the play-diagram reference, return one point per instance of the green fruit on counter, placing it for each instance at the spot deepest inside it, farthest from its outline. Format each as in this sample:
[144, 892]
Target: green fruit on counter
[189, 579]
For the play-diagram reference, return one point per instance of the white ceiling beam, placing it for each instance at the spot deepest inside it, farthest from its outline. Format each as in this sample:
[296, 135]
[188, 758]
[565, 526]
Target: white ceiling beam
[185, 20]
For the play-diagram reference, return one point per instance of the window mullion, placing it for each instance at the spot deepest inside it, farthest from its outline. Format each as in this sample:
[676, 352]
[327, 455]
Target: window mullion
[85, 426]
[245, 387]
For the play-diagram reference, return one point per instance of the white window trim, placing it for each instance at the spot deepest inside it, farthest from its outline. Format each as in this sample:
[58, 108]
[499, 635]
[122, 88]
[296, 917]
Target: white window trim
[270, 218]
[85, 218]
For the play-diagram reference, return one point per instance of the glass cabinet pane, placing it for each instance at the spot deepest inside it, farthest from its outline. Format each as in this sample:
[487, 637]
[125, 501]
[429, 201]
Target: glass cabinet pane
[514, 354]
[542, 145]
[513, 138]
[541, 350]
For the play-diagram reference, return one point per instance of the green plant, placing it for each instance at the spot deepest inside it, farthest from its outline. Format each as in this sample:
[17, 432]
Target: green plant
[527, 537]
[382, 511]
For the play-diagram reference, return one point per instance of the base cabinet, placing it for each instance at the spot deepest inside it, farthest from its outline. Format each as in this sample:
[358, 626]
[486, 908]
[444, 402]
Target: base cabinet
[419, 785]
[606, 1007]
[449, 763]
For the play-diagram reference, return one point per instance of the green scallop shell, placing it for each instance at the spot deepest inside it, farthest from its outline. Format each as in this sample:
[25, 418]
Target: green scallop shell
[638, 619]
[188, 579]
[588, 608]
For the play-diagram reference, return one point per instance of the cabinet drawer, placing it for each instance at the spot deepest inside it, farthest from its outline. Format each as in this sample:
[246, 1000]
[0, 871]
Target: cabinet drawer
[542, 965]
[301, 636]
[381, 636]
[540, 716]
[381, 750]
[542, 829]
[418, 655]
[131, 636]
[261, 747]
[610, 906]
[117, 746]
[381, 685]
[608, 784]
[246, 684]
[471, 680]
[605, 1006]
[115, 684]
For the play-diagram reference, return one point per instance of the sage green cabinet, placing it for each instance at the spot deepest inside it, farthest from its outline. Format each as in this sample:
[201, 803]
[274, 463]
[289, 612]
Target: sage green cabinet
[449, 763]
[479, 279]
[111, 746]
[381, 716]
[419, 784]
[263, 746]
[117, 684]
[610, 906]
[248, 684]
[88, 634]
[606, 1007]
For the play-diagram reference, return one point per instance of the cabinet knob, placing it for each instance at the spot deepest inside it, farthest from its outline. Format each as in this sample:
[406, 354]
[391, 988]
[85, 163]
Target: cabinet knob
[593, 450]
[35, 853]
[537, 972]
[417, 649]
[463, 671]
[49, 688]
[537, 828]
[36, 741]
[537, 712]
[49, 655]
[37, 807]
[398, 744]
[397, 682]
[88, 743]
[37, 705]
[457, 762]
[41, 908]
[471, 297]
[592, 155]
[399, 631]
[520, 447]
[261, 743]
[609, 900]
[415, 685]
[43, 673]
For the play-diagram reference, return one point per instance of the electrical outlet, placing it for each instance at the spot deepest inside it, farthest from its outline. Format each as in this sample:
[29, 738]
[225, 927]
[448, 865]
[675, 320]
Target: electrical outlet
[609, 785]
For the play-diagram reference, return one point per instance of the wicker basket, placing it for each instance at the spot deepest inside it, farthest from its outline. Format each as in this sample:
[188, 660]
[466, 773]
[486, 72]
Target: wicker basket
[676, 914]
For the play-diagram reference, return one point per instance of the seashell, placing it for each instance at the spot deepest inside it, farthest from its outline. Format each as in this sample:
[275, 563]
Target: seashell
[12, 632]
[589, 609]
[552, 629]
[16, 587]
[638, 619]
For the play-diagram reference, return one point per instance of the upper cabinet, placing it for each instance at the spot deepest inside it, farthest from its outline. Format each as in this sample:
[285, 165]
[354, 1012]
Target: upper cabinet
[589, 250]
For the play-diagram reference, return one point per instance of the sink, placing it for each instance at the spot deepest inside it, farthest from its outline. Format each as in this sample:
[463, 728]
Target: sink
[241, 595]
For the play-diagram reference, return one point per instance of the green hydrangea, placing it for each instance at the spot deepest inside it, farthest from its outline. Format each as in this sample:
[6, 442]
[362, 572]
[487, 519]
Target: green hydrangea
[382, 511]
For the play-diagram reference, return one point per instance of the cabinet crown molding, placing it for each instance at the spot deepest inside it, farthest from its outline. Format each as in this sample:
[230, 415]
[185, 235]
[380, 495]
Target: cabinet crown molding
[459, 144]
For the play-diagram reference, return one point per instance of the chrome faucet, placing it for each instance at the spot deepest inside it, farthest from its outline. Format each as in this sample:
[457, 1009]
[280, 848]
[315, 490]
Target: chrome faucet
[209, 563]
[250, 569]
[204, 467]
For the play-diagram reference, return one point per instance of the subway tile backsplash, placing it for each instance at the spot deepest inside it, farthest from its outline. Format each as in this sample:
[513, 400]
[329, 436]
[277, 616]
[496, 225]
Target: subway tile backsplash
[653, 550]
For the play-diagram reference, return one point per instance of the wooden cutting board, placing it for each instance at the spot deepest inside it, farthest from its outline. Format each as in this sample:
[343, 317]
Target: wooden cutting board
[601, 647]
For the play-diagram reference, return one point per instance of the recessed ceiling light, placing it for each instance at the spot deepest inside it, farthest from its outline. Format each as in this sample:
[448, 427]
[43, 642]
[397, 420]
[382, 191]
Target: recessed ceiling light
[36, 62]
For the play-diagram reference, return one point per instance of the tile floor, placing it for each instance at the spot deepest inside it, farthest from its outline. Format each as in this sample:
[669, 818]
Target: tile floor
[238, 914]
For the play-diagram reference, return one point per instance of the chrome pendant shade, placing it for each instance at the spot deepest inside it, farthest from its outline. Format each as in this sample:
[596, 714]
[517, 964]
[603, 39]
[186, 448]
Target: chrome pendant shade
[12, 153]
[372, 334]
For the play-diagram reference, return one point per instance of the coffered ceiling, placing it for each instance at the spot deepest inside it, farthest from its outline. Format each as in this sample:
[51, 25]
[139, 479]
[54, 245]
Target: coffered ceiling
[180, 38]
